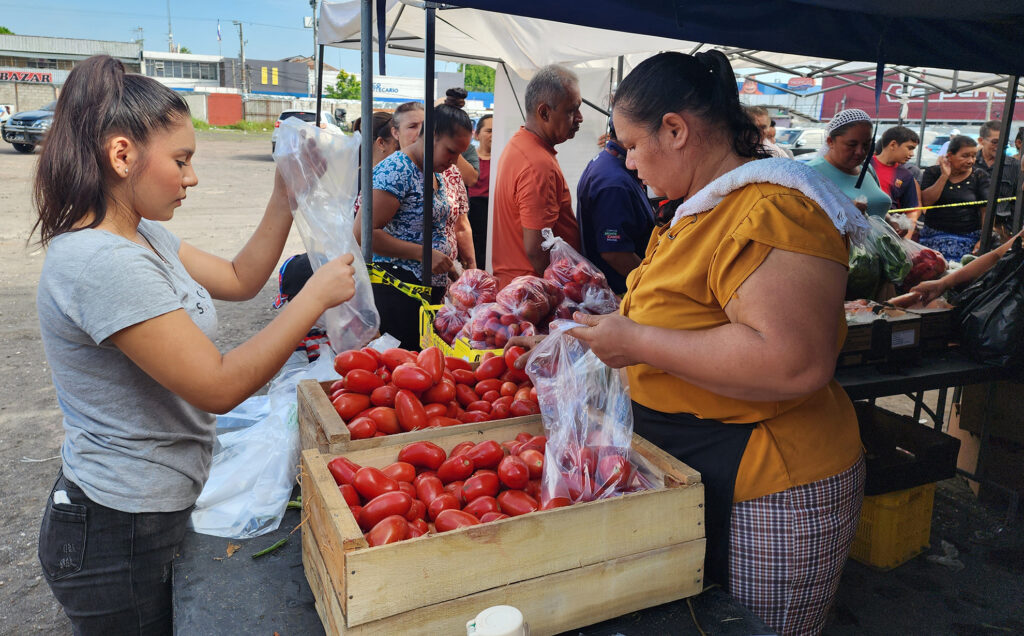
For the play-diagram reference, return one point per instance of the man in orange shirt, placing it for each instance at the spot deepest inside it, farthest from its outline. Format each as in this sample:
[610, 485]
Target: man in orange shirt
[530, 193]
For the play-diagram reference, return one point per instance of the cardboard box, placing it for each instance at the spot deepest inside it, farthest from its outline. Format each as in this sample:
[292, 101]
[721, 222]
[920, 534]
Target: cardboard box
[459, 348]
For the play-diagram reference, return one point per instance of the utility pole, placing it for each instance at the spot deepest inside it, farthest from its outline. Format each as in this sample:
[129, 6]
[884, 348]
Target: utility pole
[241, 55]
[170, 34]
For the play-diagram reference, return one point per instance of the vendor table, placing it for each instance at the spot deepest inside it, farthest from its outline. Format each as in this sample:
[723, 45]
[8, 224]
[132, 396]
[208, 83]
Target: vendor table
[215, 594]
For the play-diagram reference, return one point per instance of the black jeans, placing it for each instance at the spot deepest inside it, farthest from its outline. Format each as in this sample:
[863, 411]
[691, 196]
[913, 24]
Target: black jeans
[109, 570]
[399, 313]
[478, 222]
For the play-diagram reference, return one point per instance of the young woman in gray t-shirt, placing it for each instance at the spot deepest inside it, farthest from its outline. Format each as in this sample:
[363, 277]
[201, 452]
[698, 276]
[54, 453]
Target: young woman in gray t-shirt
[127, 322]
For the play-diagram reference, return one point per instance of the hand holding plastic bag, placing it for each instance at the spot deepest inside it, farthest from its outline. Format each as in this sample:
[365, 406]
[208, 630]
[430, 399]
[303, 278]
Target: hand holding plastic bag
[320, 168]
[588, 420]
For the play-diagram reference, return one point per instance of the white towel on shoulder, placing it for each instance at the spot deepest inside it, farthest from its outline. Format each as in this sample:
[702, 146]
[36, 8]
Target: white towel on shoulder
[845, 216]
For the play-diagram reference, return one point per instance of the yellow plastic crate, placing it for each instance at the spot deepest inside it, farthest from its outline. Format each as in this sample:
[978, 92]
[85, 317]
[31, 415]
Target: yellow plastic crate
[459, 348]
[894, 527]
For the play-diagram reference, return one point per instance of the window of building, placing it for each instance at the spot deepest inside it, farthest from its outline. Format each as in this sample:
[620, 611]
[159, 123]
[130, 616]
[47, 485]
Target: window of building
[182, 70]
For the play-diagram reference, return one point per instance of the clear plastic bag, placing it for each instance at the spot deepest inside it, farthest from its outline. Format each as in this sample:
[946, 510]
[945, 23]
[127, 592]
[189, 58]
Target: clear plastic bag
[865, 273]
[321, 169]
[491, 326]
[588, 420]
[253, 473]
[530, 299]
[925, 264]
[474, 287]
[449, 321]
[893, 258]
[580, 280]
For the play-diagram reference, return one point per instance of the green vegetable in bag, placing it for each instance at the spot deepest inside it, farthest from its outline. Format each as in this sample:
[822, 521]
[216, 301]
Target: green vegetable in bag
[894, 260]
[865, 273]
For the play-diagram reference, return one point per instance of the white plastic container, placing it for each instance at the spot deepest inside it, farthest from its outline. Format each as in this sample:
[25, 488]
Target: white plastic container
[500, 620]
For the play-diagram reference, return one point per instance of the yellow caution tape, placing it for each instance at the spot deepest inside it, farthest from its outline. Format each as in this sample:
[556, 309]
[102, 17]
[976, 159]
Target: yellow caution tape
[952, 205]
[381, 277]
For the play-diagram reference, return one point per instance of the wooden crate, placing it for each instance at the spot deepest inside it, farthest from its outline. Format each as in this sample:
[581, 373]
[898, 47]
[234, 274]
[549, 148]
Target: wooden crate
[564, 568]
[321, 427]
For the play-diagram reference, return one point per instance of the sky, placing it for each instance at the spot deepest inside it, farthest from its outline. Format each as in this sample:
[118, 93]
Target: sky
[273, 28]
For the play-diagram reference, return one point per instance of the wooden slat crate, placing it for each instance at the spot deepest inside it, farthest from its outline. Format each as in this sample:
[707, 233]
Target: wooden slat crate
[321, 427]
[564, 568]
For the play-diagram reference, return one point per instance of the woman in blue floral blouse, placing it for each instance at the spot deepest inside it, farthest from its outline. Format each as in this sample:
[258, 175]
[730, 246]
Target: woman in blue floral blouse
[398, 222]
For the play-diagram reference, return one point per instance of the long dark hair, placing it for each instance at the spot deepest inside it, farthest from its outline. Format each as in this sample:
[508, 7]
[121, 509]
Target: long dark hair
[99, 99]
[701, 84]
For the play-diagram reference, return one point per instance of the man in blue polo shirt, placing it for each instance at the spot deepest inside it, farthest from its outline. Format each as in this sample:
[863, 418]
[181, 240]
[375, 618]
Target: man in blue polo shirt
[613, 213]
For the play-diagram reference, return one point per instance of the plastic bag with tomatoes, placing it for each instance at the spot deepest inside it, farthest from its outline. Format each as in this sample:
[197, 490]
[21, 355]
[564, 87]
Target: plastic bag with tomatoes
[925, 264]
[530, 299]
[588, 420]
[491, 326]
[474, 287]
[581, 282]
[449, 321]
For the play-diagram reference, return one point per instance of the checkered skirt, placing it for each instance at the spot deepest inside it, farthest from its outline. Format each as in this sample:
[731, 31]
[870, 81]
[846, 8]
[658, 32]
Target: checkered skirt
[787, 550]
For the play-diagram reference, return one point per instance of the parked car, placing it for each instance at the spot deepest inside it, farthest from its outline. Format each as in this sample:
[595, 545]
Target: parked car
[304, 115]
[800, 141]
[25, 130]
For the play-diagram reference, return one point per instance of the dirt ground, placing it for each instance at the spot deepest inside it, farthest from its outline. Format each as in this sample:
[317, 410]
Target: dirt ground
[235, 178]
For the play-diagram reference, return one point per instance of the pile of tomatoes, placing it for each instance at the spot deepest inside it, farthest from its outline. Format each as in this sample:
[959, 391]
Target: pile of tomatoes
[396, 391]
[427, 490]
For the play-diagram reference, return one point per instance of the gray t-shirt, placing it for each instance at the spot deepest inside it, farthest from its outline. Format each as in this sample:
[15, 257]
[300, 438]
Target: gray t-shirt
[130, 444]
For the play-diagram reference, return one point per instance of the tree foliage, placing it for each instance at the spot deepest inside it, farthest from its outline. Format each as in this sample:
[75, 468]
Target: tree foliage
[478, 78]
[184, 49]
[5, 31]
[347, 87]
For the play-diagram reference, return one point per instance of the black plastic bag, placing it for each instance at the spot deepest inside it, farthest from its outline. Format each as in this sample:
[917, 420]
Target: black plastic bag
[990, 312]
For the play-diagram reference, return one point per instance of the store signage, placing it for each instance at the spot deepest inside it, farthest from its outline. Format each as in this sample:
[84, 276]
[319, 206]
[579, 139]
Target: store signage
[36, 77]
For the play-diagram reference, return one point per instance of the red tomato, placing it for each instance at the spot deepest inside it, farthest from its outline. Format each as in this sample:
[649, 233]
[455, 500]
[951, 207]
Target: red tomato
[420, 476]
[488, 517]
[420, 525]
[555, 502]
[349, 360]
[461, 448]
[355, 510]
[463, 376]
[453, 409]
[522, 394]
[411, 377]
[435, 410]
[455, 468]
[384, 396]
[508, 388]
[350, 404]
[512, 446]
[482, 505]
[342, 469]
[418, 510]
[455, 488]
[490, 396]
[361, 428]
[474, 417]
[362, 381]
[511, 355]
[517, 502]
[423, 455]
[400, 471]
[613, 471]
[384, 374]
[442, 502]
[513, 472]
[486, 454]
[534, 460]
[385, 418]
[349, 494]
[441, 393]
[373, 353]
[394, 357]
[452, 519]
[385, 505]
[523, 437]
[442, 420]
[431, 360]
[411, 415]
[380, 434]
[499, 412]
[480, 485]
[484, 471]
[370, 482]
[389, 530]
[457, 363]
[483, 386]
[429, 488]
[537, 443]
[407, 488]
[414, 530]
[533, 394]
[465, 395]
[505, 401]
[490, 368]
[336, 386]
[480, 405]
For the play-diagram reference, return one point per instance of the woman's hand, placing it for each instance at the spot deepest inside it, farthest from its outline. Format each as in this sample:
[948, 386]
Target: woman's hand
[861, 205]
[439, 262]
[944, 165]
[929, 290]
[526, 342]
[608, 336]
[334, 282]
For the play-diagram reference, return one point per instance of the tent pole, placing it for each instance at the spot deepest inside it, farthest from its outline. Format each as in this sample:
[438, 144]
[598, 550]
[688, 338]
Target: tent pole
[997, 170]
[428, 146]
[319, 83]
[618, 71]
[366, 112]
[924, 121]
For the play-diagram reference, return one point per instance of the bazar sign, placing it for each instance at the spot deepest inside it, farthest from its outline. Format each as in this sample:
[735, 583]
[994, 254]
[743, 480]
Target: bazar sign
[26, 76]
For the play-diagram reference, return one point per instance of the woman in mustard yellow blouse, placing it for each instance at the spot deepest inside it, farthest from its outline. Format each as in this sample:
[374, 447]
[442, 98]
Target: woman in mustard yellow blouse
[729, 333]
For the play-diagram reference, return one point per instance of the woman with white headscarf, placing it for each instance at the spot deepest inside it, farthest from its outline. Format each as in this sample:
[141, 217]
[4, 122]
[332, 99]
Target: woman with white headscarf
[848, 141]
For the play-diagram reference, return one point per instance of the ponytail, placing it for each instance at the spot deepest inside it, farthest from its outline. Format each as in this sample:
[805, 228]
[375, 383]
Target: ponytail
[98, 100]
